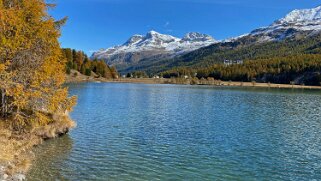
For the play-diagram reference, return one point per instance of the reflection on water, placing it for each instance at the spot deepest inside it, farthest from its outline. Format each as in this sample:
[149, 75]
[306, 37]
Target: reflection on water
[173, 132]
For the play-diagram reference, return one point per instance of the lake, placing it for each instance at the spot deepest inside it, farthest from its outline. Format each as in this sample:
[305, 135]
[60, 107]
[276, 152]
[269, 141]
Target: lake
[177, 132]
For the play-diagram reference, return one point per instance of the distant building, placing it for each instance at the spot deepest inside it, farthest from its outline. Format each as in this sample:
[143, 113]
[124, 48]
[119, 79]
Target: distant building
[233, 62]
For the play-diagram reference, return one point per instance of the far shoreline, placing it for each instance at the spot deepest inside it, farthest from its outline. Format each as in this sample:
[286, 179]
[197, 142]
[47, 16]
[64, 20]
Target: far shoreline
[181, 81]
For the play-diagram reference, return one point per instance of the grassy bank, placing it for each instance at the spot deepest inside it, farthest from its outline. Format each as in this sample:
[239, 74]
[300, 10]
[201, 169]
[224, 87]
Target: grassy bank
[15, 151]
[76, 76]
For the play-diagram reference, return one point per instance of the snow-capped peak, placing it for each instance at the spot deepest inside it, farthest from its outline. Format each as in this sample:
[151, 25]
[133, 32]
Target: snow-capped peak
[134, 39]
[303, 15]
[194, 36]
[157, 42]
[304, 20]
[158, 37]
[152, 32]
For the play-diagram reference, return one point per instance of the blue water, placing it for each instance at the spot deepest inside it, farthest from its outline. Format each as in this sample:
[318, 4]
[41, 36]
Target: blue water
[175, 132]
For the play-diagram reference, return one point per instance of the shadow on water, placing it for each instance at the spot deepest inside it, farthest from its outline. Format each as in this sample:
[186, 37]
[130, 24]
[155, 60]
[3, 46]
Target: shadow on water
[50, 158]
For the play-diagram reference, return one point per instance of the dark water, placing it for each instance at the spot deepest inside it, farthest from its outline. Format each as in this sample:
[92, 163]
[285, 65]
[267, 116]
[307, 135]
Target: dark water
[173, 132]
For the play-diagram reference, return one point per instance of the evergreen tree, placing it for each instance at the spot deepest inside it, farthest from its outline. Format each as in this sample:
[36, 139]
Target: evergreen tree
[88, 72]
[85, 66]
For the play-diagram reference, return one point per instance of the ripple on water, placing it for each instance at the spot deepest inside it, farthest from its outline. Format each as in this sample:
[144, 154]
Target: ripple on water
[172, 132]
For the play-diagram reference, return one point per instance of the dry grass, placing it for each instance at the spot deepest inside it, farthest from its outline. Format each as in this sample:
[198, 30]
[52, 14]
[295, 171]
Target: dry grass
[15, 149]
[61, 125]
[76, 76]
[215, 82]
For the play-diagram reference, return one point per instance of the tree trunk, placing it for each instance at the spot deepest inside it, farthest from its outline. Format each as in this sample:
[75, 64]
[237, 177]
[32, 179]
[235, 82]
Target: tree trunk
[3, 103]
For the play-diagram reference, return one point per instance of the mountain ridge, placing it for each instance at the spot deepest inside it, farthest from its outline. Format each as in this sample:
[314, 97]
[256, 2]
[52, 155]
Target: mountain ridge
[297, 24]
[153, 44]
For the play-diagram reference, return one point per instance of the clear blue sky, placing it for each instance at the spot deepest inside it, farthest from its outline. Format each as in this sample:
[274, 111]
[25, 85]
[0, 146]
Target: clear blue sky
[95, 24]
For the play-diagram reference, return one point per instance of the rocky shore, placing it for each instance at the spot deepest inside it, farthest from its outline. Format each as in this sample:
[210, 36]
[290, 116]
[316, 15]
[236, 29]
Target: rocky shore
[16, 177]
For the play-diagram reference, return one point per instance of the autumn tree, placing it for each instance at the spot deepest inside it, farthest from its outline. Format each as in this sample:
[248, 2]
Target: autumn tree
[32, 67]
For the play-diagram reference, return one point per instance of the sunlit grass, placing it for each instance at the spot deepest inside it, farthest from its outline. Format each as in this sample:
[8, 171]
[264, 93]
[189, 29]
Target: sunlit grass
[15, 150]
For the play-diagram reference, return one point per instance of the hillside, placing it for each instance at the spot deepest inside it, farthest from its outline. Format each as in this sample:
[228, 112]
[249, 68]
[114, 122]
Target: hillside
[242, 49]
[78, 63]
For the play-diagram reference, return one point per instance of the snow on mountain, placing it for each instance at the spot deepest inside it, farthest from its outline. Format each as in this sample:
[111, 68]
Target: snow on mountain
[294, 22]
[133, 40]
[304, 15]
[156, 46]
[157, 43]
[197, 37]
[235, 38]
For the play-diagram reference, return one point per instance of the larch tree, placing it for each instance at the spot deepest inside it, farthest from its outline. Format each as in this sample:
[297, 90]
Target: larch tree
[32, 67]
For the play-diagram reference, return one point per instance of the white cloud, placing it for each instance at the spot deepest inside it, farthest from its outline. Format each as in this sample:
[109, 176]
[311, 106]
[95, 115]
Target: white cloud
[167, 24]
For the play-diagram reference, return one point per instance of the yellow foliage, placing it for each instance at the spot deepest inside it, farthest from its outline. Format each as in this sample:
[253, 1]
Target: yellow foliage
[32, 68]
[2, 68]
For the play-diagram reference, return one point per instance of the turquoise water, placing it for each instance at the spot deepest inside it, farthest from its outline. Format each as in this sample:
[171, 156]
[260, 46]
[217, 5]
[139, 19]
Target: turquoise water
[175, 132]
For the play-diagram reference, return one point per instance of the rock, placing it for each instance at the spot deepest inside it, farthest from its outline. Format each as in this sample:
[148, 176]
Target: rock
[5, 176]
[19, 177]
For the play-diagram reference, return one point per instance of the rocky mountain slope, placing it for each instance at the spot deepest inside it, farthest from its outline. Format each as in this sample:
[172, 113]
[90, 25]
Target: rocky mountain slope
[296, 22]
[152, 45]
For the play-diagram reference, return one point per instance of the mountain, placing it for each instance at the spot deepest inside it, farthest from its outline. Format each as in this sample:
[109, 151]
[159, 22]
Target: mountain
[152, 45]
[297, 32]
[294, 23]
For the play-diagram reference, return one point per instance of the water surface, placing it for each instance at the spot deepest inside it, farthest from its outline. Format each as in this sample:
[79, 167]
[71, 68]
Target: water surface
[175, 132]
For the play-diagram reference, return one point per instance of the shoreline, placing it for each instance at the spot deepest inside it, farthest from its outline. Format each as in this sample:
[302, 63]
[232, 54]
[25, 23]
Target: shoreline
[16, 169]
[16, 156]
[193, 82]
